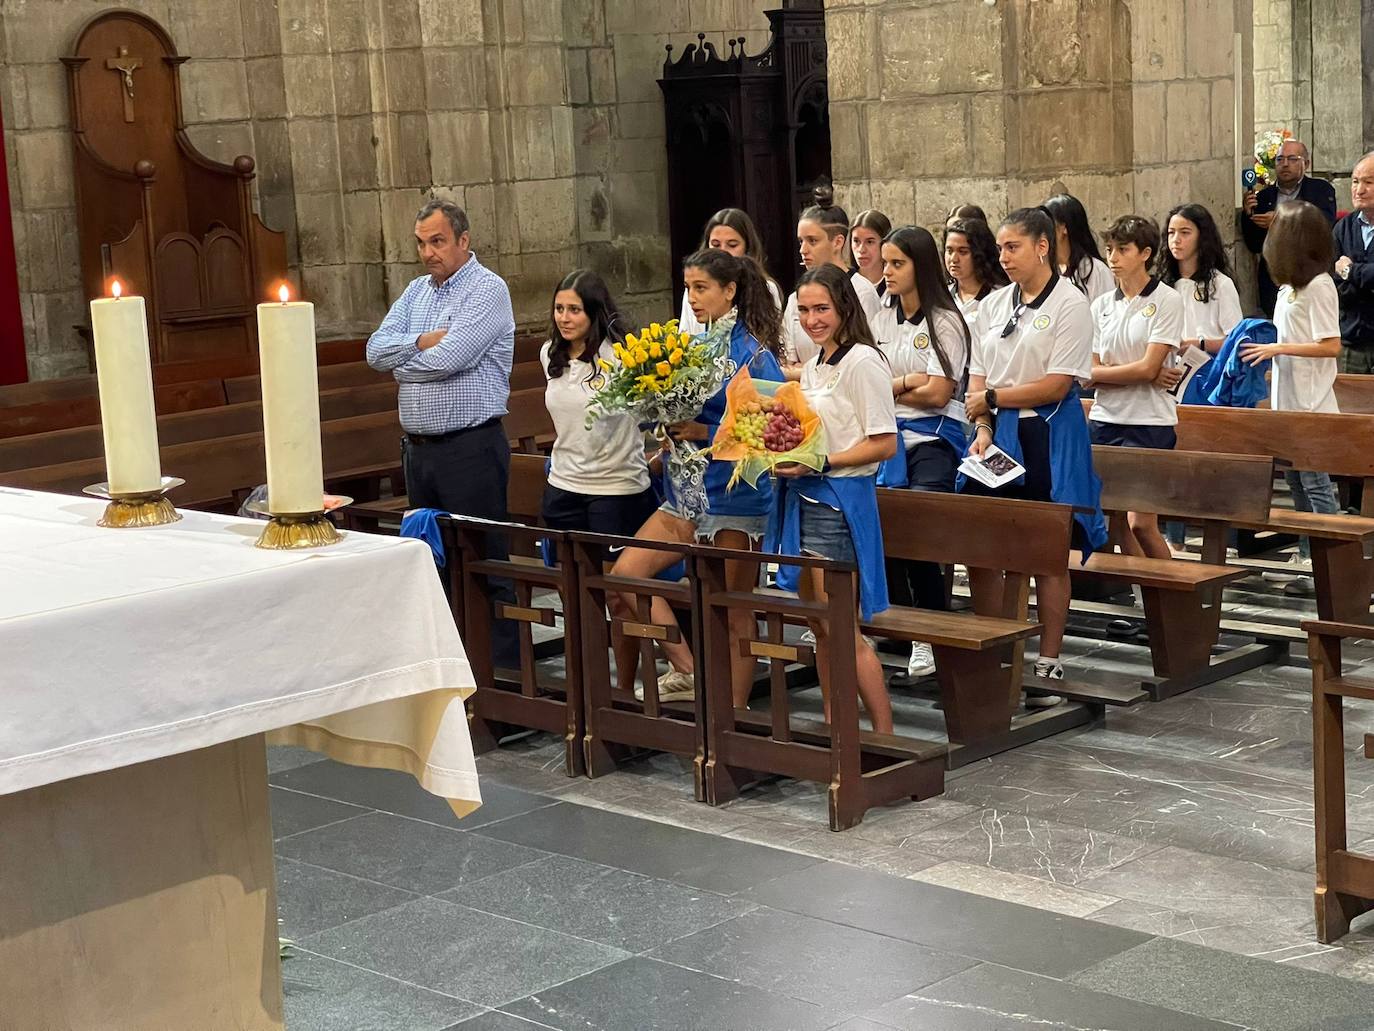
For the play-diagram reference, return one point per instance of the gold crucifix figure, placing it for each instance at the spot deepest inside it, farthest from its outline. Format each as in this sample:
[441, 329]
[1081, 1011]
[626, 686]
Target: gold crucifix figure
[126, 66]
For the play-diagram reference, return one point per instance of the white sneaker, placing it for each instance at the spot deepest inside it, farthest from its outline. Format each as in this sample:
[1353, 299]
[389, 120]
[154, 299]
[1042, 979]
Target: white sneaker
[1297, 566]
[673, 686]
[922, 661]
[1046, 670]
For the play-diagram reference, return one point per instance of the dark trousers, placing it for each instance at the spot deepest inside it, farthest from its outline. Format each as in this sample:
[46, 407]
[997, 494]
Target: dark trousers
[930, 466]
[468, 475]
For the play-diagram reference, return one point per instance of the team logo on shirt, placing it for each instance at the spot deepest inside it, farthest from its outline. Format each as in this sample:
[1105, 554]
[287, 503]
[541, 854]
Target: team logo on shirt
[1042, 322]
[922, 341]
[598, 381]
[1149, 310]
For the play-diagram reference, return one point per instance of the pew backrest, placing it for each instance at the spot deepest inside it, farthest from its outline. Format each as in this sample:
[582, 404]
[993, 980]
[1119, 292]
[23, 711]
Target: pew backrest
[47, 416]
[1355, 394]
[1025, 537]
[1186, 484]
[331, 377]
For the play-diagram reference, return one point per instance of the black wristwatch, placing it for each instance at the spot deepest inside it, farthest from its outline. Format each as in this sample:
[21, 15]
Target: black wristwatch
[990, 399]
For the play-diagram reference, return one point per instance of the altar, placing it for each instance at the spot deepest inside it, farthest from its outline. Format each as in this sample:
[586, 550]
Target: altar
[141, 673]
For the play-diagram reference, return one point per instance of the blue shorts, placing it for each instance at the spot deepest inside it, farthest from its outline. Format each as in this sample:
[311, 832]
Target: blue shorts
[1116, 434]
[825, 533]
[706, 525]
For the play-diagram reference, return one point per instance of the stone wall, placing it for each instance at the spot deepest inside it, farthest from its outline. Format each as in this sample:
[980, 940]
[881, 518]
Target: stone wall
[542, 117]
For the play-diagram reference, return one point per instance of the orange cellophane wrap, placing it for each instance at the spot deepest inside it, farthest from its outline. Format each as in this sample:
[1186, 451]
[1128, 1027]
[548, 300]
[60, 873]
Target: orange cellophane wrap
[750, 462]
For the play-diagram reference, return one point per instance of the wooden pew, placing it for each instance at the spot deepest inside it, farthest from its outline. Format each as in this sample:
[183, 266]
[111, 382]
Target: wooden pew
[363, 447]
[1183, 599]
[82, 442]
[331, 352]
[47, 416]
[1345, 879]
[1342, 572]
[332, 377]
[1355, 394]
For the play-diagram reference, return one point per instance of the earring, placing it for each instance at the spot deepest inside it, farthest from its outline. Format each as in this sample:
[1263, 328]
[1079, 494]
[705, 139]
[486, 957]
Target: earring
[1042, 259]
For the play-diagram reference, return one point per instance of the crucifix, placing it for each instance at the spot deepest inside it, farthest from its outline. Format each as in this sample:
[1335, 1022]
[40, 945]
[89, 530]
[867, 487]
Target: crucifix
[126, 66]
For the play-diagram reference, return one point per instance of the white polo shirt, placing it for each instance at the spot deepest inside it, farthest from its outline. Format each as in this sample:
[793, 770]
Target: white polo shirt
[1214, 318]
[797, 346]
[1123, 330]
[1053, 336]
[1095, 276]
[687, 319]
[1303, 317]
[968, 308]
[853, 396]
[910, 346]
[607, 459]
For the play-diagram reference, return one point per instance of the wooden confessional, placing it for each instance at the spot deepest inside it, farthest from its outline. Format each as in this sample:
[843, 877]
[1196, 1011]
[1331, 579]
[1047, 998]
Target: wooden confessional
[168, 222]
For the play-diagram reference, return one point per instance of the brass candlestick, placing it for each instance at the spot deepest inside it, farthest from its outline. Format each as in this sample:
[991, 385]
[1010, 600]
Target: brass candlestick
[292, 530]
[138, 508]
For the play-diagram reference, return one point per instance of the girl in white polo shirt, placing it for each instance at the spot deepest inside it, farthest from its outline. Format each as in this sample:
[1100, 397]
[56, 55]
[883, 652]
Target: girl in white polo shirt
[598, 479]
[1194, 263]
[834, 514]
[1024, 372]
[1136, 332]
[926, 342]
[1299, 252]
[1079, 259]
[866, 235]
[971, 261]
[821, 234]
[733, 231]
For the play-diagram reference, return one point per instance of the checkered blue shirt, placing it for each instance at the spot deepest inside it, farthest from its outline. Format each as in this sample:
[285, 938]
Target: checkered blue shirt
[464, 380]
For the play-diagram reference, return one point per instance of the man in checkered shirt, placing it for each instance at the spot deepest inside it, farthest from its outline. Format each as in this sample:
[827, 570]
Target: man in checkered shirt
[449, 340]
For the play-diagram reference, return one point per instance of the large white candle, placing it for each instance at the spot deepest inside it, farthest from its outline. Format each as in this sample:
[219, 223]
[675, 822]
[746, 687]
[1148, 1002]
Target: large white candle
[290, 407]
[124, 372]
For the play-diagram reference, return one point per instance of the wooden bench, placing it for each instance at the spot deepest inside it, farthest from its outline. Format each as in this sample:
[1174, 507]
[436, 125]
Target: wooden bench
[82, 442]
[217, 472]
[1345, 879]
[1183, 599]
[1342, 571]
[1355, 394]
[331, 377]
[331, 352]
[47, 416]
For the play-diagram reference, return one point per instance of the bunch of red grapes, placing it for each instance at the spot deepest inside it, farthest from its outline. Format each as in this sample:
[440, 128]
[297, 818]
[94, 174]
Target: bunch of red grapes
[768, 425]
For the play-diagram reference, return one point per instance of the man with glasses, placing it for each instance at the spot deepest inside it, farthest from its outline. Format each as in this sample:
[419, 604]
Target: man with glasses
[1292, 165]
[1354, 235]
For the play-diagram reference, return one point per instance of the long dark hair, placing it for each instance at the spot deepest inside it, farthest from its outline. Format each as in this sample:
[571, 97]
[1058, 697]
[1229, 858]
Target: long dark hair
[1211, 254]
[1067, 211]
[738, 220]
[600, 308]
[827, 214]
[982, 246]
[1038, 224]
[853, 328]
[918, 245]
[966, 211]
[753, 302]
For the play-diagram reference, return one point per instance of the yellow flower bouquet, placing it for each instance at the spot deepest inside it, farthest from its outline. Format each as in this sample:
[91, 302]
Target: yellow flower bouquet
[662, 376]
[1267, 147]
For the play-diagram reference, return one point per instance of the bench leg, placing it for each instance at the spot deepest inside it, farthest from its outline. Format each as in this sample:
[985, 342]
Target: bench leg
[975, 691]
[1343, 579]
[1182, 631]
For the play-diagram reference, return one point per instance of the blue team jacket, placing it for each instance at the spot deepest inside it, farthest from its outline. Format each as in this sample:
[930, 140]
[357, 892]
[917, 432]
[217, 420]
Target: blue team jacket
[1228, 382]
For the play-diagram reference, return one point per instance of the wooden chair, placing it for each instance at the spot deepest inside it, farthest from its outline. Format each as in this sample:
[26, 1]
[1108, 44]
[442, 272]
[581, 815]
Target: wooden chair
[1183, 599]
[1345, 879]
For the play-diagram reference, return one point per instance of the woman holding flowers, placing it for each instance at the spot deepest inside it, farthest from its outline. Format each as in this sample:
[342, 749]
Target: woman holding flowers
[926, 342]
[834, 514]
[719, 285]
[598, 480]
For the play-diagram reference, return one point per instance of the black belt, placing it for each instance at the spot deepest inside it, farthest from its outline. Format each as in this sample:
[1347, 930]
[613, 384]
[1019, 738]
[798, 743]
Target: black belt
[439, 438]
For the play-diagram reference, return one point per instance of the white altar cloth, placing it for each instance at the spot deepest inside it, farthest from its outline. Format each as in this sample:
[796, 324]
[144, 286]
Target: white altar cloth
[119, 646]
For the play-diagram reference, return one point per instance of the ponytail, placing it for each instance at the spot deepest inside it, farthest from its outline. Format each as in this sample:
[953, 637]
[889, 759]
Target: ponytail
[1038, 224]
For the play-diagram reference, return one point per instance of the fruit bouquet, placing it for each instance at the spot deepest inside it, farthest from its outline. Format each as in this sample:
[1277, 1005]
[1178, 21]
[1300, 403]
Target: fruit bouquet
[661, 377]
[767, 424]
[1267, 147]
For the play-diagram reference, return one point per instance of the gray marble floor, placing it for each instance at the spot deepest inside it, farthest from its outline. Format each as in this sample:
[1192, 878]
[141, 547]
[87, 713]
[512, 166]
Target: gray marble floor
[1165, 857]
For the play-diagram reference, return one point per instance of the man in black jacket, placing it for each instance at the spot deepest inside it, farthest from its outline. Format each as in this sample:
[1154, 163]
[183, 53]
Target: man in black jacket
[1292, 165]
[1354, 235]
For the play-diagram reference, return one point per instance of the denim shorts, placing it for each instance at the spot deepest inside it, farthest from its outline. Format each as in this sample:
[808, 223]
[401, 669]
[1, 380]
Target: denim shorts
[707, 525]
[825, 533]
